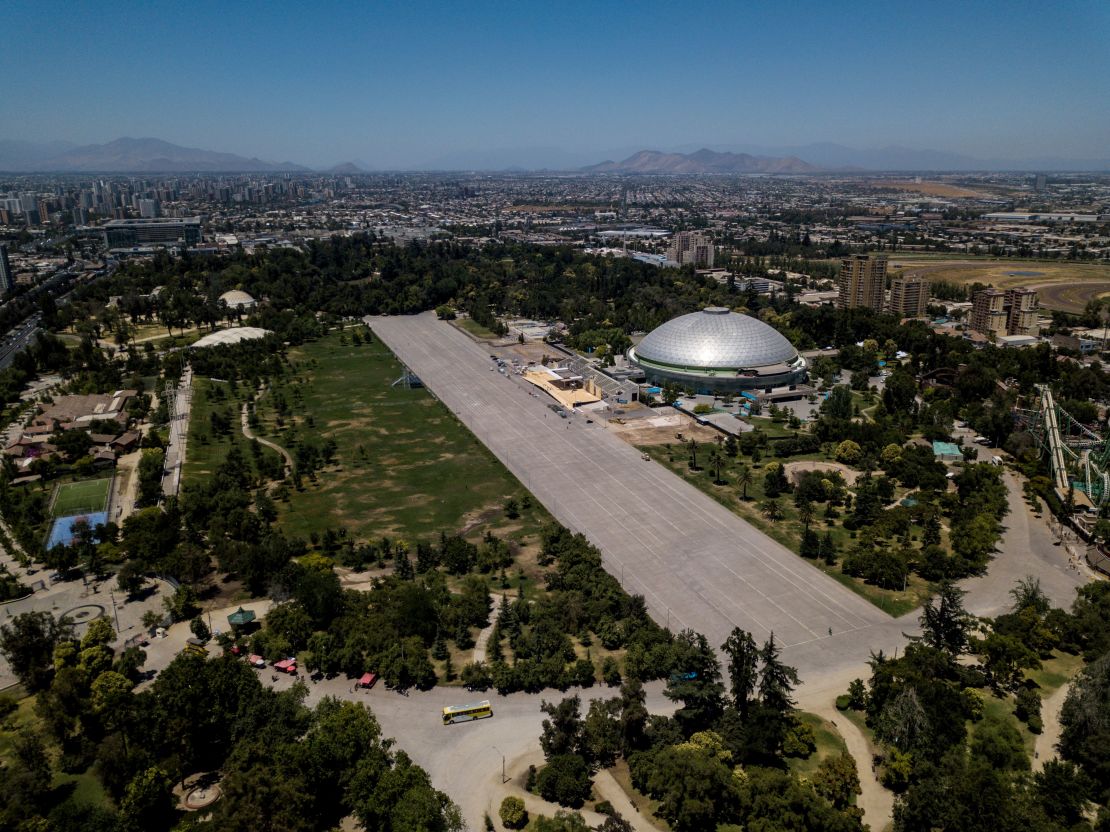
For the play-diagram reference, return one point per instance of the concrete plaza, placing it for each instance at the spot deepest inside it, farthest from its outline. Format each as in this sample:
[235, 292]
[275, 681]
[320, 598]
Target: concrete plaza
[697, 564]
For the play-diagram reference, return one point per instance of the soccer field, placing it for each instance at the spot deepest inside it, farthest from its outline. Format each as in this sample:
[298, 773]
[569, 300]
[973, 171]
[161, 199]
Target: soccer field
[82, 497]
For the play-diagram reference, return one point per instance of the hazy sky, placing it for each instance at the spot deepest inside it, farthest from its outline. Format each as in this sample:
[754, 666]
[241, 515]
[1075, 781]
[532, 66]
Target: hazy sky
[398, 84]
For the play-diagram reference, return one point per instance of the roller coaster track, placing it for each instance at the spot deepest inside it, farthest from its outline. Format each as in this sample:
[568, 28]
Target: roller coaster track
[1079, 458]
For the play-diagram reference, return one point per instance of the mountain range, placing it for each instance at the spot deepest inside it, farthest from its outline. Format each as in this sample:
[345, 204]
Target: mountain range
[150, 155]
[129, 156]
[703, 161]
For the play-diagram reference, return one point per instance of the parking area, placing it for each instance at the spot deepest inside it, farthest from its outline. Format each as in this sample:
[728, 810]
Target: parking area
[697, 564]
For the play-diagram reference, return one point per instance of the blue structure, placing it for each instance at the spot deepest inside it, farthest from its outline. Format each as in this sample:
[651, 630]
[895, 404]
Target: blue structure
[63, 530]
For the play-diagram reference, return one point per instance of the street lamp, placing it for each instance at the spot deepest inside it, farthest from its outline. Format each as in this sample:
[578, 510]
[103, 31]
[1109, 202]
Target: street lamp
[504, 779]
[115, 612]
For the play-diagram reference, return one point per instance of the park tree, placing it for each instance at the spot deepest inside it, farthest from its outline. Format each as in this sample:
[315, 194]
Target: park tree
[148, 801]
[1064, 792]
[837, 780]
[944, 621]
[776, 679]
[743, 668]
[1085, 735]
[848, 452]
[601, 732]
[562, 730]
[512, 813]
[28, 645]
[744, 478]
[695, 682]
[772, 510]
[565, 780]
[634, 716]
[693, 782]
[838, 404]
[716, 460]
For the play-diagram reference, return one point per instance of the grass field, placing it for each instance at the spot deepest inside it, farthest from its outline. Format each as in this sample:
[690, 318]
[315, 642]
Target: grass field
[829, 744]
[405, 466]
[1063, 285]
[84, 787]
[82, 497]
[946, 189]
[207, 447]
[474, 328]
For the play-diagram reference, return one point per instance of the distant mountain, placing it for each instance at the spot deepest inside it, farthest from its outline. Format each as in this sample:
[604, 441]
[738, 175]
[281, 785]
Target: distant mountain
[345, 167]
[148, 156]
[833, 156]
[703, 161]
[505, 159]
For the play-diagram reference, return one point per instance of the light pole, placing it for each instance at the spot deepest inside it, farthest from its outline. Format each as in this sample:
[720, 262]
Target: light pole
[504, 779]
[115, 612]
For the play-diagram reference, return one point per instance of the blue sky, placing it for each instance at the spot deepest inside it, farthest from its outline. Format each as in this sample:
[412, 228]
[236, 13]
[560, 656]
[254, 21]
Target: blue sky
[398, 84]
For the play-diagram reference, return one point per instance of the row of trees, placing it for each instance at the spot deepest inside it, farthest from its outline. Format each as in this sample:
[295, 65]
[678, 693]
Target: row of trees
[957, 765]
[720, 759]
[284, 766]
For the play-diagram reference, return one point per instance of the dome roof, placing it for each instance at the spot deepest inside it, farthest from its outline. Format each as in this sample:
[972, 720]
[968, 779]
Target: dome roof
[233, 335]
[715, 338]
[236, 298]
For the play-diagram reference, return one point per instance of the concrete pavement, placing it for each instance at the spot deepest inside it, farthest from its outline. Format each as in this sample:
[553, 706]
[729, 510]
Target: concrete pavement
[697, 564]
[1028, 548]
[179, 435]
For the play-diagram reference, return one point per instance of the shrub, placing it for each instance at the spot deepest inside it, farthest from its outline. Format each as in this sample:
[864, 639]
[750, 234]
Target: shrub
[513, 814]
[565, 780]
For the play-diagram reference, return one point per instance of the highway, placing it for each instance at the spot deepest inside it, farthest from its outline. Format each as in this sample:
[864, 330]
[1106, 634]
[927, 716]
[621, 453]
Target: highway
[697, 564]
[17, 339]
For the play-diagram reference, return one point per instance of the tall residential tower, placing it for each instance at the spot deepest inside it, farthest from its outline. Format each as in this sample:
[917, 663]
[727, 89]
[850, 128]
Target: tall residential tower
[862, 281]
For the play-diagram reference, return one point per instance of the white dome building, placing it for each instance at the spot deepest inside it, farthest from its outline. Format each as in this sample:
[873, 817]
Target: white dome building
[717, 351]
[236, 299]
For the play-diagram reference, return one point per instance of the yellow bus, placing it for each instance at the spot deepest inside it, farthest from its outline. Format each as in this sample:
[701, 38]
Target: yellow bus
[465, 713]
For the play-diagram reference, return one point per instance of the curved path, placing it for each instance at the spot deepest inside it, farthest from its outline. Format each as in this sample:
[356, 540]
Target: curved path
[249, 434]
[875, 799]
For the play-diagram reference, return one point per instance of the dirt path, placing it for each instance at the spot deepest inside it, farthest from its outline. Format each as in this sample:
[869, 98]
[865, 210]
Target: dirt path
[482, 641]
[249, 434]
[606, 787]
[125, 485]
[875, 799]
[1044, 746]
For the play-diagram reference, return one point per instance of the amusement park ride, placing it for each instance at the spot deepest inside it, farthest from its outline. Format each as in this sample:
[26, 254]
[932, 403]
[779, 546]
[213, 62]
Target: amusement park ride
[1079, 458]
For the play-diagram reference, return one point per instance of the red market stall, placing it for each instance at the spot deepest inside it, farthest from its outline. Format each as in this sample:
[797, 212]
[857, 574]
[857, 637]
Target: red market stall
[368, 679]
[287, 666]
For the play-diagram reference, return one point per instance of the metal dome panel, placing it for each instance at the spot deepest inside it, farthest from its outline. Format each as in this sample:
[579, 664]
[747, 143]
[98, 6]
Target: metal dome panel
[716, 338]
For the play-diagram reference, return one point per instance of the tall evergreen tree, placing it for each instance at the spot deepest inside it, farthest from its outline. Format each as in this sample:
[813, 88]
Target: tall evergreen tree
[743, 668]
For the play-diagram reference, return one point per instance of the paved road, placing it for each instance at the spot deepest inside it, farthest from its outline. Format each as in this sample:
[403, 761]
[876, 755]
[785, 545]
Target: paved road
[179, 435]
[1027, 548]
[696, 563]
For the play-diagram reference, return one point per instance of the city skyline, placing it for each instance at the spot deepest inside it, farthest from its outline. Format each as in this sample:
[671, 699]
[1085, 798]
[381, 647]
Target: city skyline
[406, 86]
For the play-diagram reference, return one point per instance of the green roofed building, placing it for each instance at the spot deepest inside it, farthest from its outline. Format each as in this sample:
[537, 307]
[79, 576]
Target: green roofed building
[241, 617]
[947, 452]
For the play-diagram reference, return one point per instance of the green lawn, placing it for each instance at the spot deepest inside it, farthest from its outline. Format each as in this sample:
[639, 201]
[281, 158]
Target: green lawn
[208, 447]
[1054, 672]
[81, 497]
[829, 744]
[405, 466]
[788, 530]
[474, 328]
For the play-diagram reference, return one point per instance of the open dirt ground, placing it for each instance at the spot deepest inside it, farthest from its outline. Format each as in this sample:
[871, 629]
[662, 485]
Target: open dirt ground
[1062, 285]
